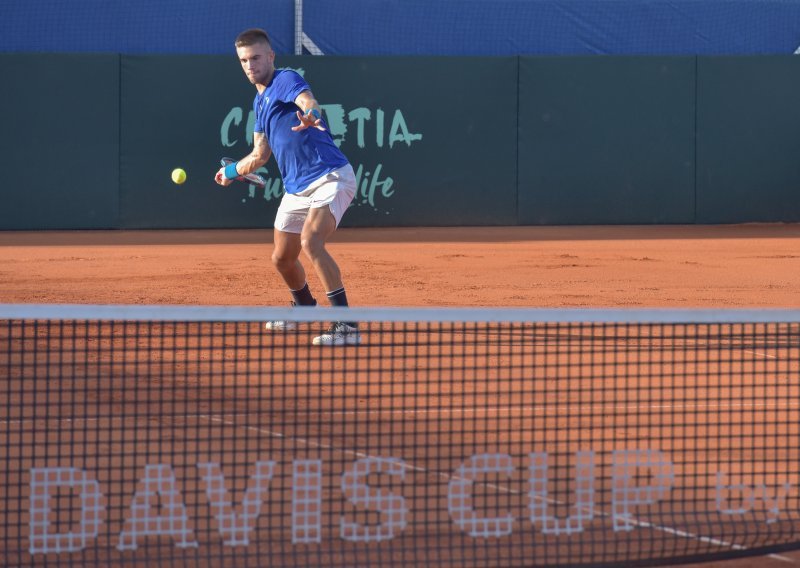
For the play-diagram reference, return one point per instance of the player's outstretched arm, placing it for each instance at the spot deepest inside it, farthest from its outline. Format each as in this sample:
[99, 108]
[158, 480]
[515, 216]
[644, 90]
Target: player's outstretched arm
[250, 163]
[309, 113]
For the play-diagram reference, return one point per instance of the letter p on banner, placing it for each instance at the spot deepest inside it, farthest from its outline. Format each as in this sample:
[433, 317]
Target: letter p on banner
[626, 494]
[43, 481]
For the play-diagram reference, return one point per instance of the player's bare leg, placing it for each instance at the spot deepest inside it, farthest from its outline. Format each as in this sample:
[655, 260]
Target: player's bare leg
[286, 259]
[319, 226]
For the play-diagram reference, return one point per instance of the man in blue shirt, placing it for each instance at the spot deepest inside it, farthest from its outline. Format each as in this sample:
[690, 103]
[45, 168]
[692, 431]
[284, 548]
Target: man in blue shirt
[318, 180]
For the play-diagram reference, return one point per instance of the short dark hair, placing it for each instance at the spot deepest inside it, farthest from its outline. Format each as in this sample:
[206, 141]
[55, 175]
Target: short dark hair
[252, 37]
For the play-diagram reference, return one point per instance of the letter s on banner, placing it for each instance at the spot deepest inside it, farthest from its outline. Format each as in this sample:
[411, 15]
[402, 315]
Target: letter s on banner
[392, 507]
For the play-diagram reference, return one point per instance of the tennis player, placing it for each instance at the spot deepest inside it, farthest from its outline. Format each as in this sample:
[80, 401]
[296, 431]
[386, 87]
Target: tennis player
[318, 180]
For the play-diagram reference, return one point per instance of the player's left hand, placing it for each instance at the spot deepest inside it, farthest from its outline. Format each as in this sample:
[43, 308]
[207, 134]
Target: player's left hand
[308, 120]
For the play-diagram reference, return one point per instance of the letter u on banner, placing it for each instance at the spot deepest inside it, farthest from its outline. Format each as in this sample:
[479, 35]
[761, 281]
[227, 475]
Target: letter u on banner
[584, 494]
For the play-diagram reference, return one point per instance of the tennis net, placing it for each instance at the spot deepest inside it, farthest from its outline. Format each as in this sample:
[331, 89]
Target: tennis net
[191, 436]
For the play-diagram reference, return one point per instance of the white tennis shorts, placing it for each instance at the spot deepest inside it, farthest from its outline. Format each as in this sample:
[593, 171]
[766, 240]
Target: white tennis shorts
[335, 189]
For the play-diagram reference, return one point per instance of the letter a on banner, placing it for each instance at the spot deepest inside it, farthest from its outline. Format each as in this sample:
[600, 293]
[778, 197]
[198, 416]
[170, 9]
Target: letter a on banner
[158, 480]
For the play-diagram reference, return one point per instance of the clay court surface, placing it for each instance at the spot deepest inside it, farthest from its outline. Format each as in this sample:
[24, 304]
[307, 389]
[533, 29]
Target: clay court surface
[747, 266]
[667, 266]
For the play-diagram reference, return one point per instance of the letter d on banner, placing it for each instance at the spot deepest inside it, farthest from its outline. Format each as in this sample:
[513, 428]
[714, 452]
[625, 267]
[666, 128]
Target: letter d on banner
[43, 481]
[626, 495]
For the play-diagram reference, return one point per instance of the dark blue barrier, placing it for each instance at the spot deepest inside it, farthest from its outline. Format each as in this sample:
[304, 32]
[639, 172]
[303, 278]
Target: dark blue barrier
[410, 27]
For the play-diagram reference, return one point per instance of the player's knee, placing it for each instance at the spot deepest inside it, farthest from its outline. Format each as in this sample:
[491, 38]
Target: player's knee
[282, 262]
[312, 245]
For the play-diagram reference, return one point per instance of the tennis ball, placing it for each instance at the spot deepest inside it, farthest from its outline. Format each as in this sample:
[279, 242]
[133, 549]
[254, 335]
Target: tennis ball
[178, 175]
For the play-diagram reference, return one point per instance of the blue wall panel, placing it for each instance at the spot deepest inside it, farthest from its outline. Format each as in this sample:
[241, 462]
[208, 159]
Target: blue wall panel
[409, 27]
[143, 26]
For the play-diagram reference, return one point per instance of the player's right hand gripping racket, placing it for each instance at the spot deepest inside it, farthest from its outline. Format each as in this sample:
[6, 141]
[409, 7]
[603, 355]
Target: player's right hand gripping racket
[255, 179]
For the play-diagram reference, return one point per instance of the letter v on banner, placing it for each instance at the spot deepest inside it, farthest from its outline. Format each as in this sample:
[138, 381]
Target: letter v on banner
[235, 527]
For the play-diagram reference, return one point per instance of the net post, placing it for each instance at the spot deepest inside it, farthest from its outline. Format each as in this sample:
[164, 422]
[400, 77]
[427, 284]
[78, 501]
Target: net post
[298, 27]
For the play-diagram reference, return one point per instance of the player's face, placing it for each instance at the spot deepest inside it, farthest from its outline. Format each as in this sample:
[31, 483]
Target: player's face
[258, 62]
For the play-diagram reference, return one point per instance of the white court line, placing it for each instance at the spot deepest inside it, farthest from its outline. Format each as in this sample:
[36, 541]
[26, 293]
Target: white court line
[595, 410]
[759, 354]
[446, 476]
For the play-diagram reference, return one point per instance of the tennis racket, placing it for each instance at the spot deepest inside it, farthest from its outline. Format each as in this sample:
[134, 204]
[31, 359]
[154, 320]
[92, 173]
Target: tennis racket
[255, 179]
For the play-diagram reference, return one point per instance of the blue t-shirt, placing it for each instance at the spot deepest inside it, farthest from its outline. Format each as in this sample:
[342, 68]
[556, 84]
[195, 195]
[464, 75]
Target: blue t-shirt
[303, 156]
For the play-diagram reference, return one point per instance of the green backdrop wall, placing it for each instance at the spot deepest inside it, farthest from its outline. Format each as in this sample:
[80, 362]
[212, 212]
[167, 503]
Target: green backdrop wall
[748, 139]
[422, 151]
[60, 141]
[605, 140]
[434, 140]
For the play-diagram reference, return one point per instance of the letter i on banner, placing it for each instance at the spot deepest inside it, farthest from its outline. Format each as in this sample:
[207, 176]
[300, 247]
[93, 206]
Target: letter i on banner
[307, 501]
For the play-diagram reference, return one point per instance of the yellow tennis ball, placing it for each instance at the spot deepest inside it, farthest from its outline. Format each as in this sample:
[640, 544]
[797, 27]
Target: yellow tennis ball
[178, 175]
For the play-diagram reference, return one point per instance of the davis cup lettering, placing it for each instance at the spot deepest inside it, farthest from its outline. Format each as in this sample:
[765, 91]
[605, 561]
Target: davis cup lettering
[306, 501]
[638, 478]
[159, 479]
